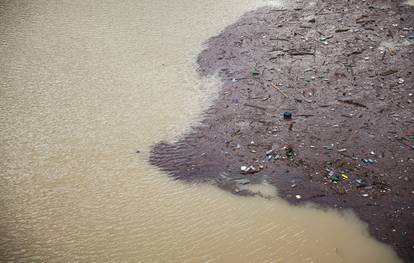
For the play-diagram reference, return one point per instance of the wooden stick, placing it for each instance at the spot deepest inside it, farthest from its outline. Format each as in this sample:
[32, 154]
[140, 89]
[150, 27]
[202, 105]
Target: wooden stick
[254, 106]
[276, 87]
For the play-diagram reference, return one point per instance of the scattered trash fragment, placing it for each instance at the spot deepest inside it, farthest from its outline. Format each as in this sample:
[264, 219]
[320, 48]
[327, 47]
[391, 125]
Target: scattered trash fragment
[298, 196]
[325, 38]
[255, 72]
[248, 170]
[289, 152]
[333, 177]
[329, 147]
[287, 115]
[360, 183]
[365, 195]
[370, 161]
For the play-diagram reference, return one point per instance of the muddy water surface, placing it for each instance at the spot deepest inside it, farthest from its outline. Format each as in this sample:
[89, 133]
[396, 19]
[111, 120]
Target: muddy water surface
[84, 85]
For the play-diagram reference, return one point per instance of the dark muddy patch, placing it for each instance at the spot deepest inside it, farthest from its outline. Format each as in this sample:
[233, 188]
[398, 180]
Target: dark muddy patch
[344, 71]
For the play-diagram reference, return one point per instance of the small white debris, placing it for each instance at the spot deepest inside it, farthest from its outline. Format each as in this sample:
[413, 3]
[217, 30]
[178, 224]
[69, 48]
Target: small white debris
[401, 81]
[328, 147]
[372, 153]
[248, 170]
[298, 197]
[342, 150]
[365, 195]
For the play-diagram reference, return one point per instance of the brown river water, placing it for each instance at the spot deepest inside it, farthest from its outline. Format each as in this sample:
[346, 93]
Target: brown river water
[84, 85]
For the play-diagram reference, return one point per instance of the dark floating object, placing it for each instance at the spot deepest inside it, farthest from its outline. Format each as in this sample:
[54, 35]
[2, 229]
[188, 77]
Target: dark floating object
[287, 115]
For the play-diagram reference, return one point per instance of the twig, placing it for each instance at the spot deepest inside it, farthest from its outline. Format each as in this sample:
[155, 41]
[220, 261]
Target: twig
[353, 103]
[278, 10]
[383, 54]
[356, 52]
[276, 87]
[254, 106]
[280, 39]
[389, 72]
[305, 115]
[301, 53]
[339, 30]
